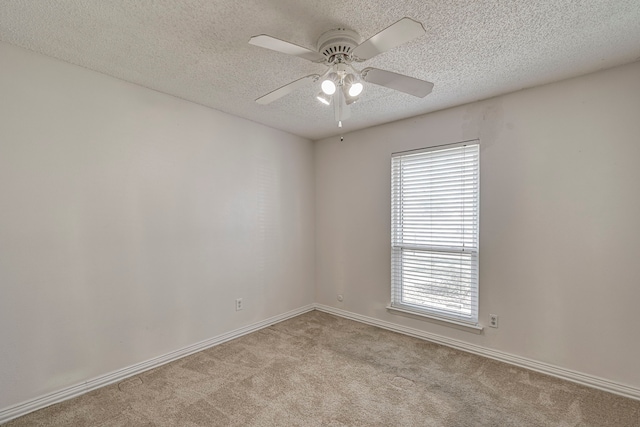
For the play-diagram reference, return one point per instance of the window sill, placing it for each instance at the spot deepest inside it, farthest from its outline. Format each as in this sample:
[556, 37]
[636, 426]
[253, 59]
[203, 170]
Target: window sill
[469, 327]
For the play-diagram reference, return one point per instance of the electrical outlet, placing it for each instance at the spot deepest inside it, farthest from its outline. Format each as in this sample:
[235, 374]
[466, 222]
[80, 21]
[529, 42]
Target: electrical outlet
[238, 304]
[493, 320]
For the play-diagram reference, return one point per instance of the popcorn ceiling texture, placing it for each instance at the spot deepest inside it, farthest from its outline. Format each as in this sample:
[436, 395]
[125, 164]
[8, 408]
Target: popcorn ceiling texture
[198, 50]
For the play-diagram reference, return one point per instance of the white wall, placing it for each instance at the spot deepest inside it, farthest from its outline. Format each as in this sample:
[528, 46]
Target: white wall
[559, 233]
[131, 220]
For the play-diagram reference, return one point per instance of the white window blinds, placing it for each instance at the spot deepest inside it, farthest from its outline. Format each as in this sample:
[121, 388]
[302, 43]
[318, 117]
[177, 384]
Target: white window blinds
[434, 236]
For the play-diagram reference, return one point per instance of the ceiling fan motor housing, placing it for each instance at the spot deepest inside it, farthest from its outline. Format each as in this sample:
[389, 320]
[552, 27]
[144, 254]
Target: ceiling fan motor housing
[338, 42]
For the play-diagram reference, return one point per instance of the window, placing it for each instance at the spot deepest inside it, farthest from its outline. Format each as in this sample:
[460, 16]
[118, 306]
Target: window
[434, 236]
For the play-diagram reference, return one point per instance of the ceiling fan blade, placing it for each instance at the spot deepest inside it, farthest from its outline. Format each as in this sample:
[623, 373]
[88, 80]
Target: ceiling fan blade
[401, 32]
[287, 89]
[406, 84]
[282, 46]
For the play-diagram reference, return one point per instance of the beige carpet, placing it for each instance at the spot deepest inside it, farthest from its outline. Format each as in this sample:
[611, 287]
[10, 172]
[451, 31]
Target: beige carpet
[321, 370]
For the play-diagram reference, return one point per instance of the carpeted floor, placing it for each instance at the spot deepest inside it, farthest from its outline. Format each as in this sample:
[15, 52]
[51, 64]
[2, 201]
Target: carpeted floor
[320, 370]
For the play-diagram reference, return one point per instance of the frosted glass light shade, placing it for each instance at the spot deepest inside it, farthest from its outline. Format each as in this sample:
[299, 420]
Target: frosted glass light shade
[355, 89]
[324, 98]
[328, 87]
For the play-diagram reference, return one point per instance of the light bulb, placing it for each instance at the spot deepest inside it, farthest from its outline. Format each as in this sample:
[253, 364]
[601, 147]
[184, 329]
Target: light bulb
[355, 89]
[328, 87]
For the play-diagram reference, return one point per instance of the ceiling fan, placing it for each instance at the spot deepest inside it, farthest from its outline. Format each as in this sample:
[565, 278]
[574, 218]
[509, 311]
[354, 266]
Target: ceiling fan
[339, 49]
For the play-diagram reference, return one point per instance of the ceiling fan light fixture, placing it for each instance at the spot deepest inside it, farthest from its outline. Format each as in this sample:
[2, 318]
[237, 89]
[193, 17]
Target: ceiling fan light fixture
[353, 85]
[330, 84]
[324, 98]
[351, 90]
[355, 89]
[328, 87]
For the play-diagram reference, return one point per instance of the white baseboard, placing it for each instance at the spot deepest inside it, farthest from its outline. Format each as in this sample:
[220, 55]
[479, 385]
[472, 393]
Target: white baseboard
[48, 399]
[544, 368]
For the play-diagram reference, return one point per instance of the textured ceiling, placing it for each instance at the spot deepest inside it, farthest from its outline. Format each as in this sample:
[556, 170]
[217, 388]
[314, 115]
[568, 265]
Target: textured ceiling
[198, 50]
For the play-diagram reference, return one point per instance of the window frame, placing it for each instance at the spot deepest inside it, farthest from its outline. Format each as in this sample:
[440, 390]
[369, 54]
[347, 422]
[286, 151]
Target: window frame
[397, 249]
